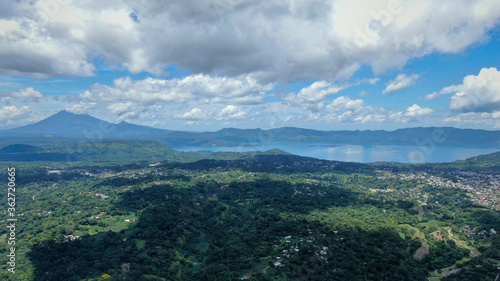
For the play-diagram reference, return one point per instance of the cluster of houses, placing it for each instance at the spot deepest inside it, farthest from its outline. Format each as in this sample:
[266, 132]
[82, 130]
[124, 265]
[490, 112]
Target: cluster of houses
[482, 187]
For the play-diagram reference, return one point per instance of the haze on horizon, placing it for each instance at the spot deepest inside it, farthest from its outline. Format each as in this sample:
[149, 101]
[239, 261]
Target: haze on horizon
[206, 65]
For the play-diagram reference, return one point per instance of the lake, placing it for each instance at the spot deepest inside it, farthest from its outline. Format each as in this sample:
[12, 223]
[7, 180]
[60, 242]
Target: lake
[360, 153]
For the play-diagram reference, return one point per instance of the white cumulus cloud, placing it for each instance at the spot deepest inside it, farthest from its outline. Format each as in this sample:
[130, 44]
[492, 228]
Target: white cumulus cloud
[10, 114]
[24, 93]
[474, 120]
[317, 91]
[281, 41]
[231, 112]
[193, 114]
[416, 111]
[346, 104]
[205, 88]
[12, 111]
[402, 81]
[29, 94]
[478, 93]
[120, 108]
[444, 91]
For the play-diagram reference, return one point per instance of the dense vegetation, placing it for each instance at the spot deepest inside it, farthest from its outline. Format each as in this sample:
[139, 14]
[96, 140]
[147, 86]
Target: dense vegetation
[256, 216]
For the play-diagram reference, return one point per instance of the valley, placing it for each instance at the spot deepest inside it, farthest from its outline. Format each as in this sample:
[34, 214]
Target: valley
[135, 210]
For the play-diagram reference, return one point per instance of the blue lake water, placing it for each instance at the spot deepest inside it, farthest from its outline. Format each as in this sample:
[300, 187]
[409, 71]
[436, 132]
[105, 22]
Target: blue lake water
[360, 153]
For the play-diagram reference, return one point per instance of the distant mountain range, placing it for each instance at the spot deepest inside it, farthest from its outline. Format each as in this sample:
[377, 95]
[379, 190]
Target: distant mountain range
[82, 126]
[65, 128]
[430, 136]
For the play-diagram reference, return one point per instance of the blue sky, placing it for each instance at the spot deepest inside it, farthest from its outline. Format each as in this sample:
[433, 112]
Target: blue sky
[206, 65]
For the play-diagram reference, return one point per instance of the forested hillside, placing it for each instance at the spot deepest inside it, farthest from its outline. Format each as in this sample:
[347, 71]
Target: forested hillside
[255, 216]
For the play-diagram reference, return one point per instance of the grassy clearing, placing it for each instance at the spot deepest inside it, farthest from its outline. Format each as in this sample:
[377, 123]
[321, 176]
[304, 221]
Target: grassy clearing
[413, 231]
[365, 217]
[115, 224]
[422, 251]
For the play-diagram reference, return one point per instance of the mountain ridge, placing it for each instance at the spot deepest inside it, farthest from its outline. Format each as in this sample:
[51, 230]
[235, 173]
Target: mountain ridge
[82, 126]
[67, 124]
